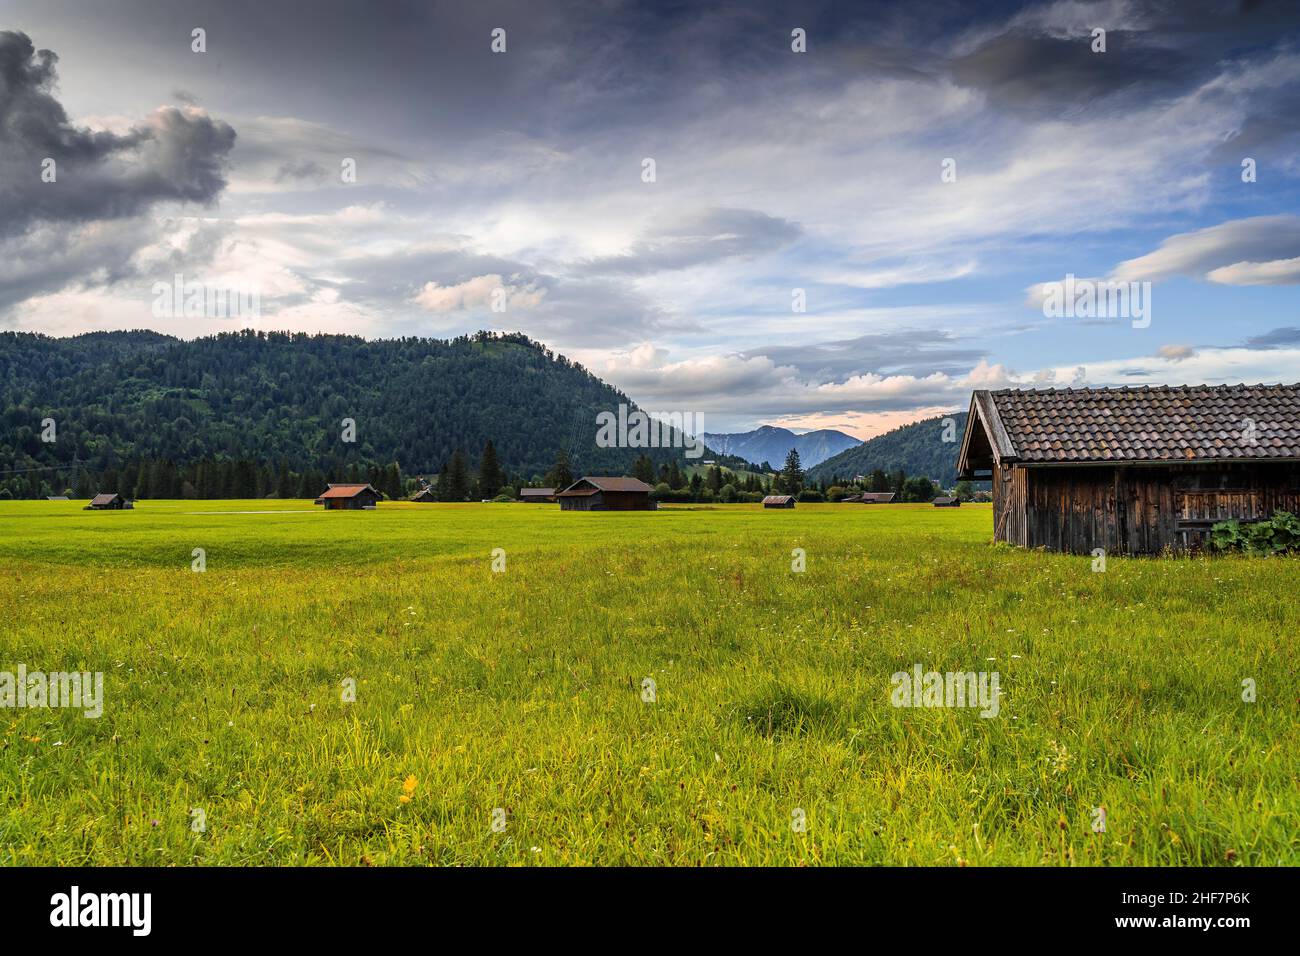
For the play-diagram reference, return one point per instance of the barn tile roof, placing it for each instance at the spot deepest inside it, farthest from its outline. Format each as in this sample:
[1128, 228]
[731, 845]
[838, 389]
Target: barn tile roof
[602, 483]
[778, 499]
[105, 499]
[1164, 423]
[345, 491]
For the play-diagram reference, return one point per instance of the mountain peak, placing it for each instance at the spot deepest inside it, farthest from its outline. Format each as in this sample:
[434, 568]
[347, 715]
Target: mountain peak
[771, 443]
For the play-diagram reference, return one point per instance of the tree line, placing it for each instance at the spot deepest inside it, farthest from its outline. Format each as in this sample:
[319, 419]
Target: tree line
[228, 413]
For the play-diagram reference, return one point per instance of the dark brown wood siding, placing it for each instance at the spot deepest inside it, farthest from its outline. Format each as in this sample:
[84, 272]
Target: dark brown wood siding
[1009, 504]
[608, 501]
[1139, 509]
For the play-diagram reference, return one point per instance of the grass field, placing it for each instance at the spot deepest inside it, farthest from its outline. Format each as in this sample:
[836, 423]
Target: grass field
[521, 691]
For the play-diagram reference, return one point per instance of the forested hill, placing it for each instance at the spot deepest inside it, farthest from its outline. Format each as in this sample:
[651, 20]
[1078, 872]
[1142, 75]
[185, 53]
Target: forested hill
[917, 449]
[278, 401]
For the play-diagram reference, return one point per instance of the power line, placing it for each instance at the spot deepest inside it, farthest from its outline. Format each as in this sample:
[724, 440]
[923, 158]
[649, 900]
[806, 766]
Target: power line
[17, 471]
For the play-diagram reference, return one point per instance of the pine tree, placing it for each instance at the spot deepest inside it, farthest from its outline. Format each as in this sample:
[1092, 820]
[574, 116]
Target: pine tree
[644, 469]
[456, 485]
[393, 485]
[791, 476]
[490, 476]
[284, 482]
[560, 477]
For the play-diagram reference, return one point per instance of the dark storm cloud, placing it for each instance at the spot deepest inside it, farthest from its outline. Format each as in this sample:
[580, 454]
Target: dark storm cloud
[709, 236]
[904, 352]
[175, 155]
[1160, 50]
[1275, 339]
[1026, 69]
[1264, 134]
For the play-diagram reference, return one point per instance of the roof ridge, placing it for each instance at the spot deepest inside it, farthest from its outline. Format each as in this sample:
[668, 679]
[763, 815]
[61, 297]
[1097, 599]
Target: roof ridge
[1224, 386]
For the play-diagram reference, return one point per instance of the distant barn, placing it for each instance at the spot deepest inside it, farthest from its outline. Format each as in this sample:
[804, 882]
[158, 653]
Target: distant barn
[778, 501]
[424, 496]
[597, 493]
[1132, 470]
[349, 497]
[537, 495]
[109, 501]
[946, 501]
[56, 497]
[877, 497]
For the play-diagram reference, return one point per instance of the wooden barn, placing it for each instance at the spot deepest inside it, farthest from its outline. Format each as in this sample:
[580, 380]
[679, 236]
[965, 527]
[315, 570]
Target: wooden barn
[537, 495]
[349, 497]
[596, 493]
[1132, 470]
[778, 501]
[947, 501]
[109, 501]
[424, 496]
[877, 497]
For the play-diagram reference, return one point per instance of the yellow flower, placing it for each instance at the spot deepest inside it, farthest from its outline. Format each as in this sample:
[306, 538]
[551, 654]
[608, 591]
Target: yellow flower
[408, 787]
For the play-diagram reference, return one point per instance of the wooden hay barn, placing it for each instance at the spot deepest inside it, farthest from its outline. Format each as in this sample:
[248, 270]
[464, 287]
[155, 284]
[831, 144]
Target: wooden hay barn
[349, 497]
[597, 493]
[537, 495]
[947, 501]
[778, 501]
[1132, 470]
[877, 497]
[424, 496]
[109, 501]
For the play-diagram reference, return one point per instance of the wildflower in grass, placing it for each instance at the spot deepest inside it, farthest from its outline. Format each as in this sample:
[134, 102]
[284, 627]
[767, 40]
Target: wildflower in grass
[1059, 757]
[408, 788]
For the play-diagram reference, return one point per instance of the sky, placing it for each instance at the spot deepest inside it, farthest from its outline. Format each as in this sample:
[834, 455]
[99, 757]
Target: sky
[918, 175]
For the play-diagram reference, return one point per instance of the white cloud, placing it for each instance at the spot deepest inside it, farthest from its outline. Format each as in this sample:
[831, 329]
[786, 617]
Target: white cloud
[1276, 272]
[1255, 251]
[479, 292]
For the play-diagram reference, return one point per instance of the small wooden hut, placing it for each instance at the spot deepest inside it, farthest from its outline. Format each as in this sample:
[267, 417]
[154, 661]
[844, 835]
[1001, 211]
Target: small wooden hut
[599, 493]
[349, 497]
[1132, 470]
[109, 501]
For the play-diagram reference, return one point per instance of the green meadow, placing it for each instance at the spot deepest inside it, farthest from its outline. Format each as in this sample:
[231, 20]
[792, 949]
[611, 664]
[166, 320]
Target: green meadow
[501, 717]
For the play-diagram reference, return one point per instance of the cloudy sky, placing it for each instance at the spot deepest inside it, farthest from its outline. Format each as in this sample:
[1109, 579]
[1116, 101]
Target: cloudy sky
[519, 178]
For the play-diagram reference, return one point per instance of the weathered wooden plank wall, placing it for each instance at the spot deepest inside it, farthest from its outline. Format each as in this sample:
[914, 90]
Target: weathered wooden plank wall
[1134, 510]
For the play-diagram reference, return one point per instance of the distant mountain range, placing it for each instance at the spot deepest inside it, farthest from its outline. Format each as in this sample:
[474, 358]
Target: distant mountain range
[918, 449]
[771, 444]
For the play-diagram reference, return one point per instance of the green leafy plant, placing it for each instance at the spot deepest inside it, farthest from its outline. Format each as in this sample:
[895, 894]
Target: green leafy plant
[1279, 534]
